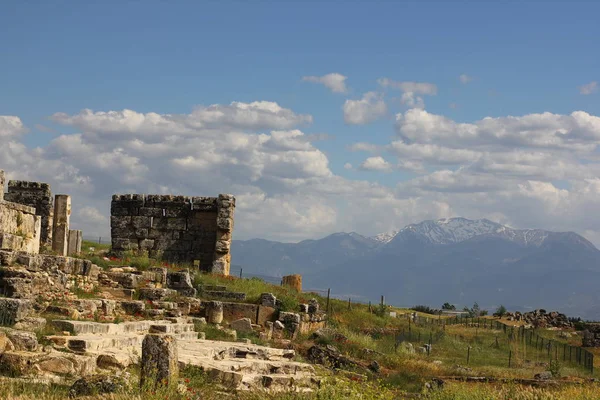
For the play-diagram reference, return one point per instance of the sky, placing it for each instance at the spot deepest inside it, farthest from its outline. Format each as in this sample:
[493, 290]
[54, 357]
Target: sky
[319, 117]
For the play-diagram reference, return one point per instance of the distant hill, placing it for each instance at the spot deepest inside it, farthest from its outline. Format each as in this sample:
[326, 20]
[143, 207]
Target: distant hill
[453, 260]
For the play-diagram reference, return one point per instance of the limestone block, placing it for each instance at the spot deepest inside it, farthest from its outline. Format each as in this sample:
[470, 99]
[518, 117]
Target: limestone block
[293, 281]
[22, 340]
[75, 239]
[133, 307]
[60, 231]
[138, 222]
[151, 212]
[289, 318]
[225, 224]
[268, 299]
[222, 246]
[57, 365]
[159, 363]
[214, 312]
[120, 222]
[265, 314]
[156, 293]
[14, 310]
[31, 324]
[243, 325]
[313, 306]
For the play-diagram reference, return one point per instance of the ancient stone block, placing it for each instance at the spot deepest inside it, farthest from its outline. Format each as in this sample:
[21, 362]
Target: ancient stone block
[214, 312]
[293, 281]
[265, 314]
[133, 307]
[243, 325]
[13, 310]
[159, 365]
[268, 299]
[2, 180]
[156, 293]
[75, 239]
[60, 231]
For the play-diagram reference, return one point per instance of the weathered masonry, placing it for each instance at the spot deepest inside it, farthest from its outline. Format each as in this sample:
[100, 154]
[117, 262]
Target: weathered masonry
[175, 228]
[30, 219]
[38, 196]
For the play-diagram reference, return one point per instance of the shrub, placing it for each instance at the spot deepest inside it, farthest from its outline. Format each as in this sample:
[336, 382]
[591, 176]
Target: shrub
[448, 306]
[425, 309]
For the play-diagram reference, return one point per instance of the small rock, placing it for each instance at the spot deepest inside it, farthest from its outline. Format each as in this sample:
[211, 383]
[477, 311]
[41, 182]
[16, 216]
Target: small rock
[544, 376]
[374, 366]
[23, 340]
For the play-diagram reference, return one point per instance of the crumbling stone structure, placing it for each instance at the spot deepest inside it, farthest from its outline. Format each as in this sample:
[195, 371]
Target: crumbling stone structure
[196, 230]
[38, 196]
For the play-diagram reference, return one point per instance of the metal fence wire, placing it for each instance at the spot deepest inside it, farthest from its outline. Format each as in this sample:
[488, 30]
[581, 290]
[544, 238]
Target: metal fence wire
[529, 337]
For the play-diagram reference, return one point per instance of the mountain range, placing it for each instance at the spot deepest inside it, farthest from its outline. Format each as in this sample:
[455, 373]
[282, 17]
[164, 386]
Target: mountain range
[453, 260]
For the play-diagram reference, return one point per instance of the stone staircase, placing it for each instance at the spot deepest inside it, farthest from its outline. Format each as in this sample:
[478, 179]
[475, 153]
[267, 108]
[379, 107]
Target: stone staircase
[238, 365]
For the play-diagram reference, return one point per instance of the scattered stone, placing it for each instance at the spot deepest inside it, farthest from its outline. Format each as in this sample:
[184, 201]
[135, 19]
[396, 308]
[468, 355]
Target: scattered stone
[133, 307]
[31, 324]
[434, 385]
[155, 294]
[268, 299]
[313, 306]
[544, 376]
[22, 340]
[13, 310]
[328, 356]
[159, 363]
[98, 384]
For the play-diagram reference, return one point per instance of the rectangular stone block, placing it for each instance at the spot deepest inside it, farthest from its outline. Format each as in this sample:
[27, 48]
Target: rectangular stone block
[120, 222]
[265, 314]
[138, 222]
[151, 212]
[235, 311]
[164, 223]
[62, 215]
[75, 239]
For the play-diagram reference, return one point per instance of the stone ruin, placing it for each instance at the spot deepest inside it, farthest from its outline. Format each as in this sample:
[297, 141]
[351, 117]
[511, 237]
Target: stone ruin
[31, 219]
[106, 319]
[541, 319]
[194, 230]
[591, 335]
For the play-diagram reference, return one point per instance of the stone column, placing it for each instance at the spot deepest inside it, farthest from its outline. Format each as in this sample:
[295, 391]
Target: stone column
[1, 185]
[62, 214]
[159, 361]
[293, 281]
[225, 210]
[75, 238]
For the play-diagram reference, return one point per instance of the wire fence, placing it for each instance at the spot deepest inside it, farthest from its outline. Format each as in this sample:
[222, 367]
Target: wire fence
[522, 340]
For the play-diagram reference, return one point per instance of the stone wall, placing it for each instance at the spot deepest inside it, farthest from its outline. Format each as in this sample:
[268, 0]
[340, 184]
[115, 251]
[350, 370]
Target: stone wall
[196, 230]
[38, 196]
[19, 227]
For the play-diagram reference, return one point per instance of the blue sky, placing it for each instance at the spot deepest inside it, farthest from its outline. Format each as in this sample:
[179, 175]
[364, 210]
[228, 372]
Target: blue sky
[519, 58]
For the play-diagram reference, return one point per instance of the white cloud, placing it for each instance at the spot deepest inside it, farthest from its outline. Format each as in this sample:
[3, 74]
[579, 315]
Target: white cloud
[588, 88]
[578, 131]
[464, 78]
[375, 164]
[535, 170]
[368, 109]
[334, 81]
[11, 127]
[407, 86]
[347, 166]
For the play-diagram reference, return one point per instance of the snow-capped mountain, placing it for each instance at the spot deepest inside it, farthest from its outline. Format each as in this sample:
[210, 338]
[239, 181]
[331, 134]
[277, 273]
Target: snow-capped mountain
[456, 230]
[456, 260]
[385, 237]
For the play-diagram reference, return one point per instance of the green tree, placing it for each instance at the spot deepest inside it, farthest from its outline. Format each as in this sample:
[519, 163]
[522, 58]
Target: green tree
[500, 311]
[448, 306]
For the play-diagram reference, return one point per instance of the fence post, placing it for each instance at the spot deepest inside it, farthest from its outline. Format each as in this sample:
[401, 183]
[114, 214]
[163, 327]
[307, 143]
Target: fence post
[509, 357]
[348, 303]
[328, 293]
[241, 269]
[468, 354]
